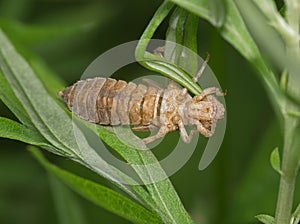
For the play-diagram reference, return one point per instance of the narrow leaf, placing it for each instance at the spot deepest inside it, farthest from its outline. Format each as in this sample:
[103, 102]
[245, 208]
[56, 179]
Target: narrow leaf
[11, 101]
[174, 72]
[100, 195]
[51, 120]
[234, 29]
[159, 16]
[152, 174]
[296, 215]
[29, 91]
[269, 39]
[266, 219]
[200, 8]
[44, 113]
[181, 41]
[218, 12]
[294, 114]
[175, 36]
[190, 42]
[14, 130]
[275, 160]
[156, 63]
[284, 80]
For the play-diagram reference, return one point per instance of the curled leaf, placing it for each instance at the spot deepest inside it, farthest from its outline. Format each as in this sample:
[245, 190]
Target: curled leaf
[275, 160]
[266, 219]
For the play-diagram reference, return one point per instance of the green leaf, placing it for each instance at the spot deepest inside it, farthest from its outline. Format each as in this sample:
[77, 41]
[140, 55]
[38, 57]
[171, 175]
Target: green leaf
[218, 12]
[190, 42]
[66, 205]
[54, 123]
[175, 36]
[57, 127]
[11, 101]
[151, 173]
[296, 215]
[248, 10]
[294, 114]
[100, 195]
[173, 72]
[275, 160]
[14, 130]
[31, 93]
[266, 219]
[160, 14]
[284, 80]
[158, 64]
[199, 8]
[181, 41]
[233, 30]
[277, 41]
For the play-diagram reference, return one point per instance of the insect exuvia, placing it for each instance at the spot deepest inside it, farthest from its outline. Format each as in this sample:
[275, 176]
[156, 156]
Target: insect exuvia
[106, 101]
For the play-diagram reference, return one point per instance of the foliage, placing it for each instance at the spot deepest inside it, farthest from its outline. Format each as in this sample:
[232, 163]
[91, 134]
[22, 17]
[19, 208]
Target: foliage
[28, 89]
[60, 138]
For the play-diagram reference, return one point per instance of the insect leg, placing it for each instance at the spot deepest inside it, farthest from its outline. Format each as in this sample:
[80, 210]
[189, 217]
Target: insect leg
[159, 51]
[145, 128]
[183, 134]
[201, 70]
[209, 91]
[161, 132]
[204, 131]
[213, 127]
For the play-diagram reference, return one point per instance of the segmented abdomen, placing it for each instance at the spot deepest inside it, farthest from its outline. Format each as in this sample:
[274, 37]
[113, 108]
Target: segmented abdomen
[107, 101]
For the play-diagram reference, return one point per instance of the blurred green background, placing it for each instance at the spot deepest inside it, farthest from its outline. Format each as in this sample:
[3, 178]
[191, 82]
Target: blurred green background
[68, 35]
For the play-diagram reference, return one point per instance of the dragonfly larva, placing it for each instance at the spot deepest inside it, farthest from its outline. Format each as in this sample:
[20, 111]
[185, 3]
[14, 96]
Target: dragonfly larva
[107, 101]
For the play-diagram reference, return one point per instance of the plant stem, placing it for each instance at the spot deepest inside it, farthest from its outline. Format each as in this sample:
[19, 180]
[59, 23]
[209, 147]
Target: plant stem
[292, 15]
[291, 149]
[289, 173]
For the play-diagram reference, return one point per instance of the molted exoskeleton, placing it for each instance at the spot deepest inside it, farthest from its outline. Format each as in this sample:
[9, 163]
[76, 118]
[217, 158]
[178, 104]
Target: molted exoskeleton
[107, 101]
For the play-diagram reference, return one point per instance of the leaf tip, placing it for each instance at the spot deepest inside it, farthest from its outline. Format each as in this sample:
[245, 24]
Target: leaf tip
[266, 219]
[275, 160]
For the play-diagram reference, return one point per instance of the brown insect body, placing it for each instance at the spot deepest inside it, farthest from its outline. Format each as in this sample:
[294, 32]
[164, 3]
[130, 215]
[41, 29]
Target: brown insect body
[107, 101]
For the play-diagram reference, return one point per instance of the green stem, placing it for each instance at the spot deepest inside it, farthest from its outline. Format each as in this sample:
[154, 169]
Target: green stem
[289, 172]
[292, 16]
[291, 149]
